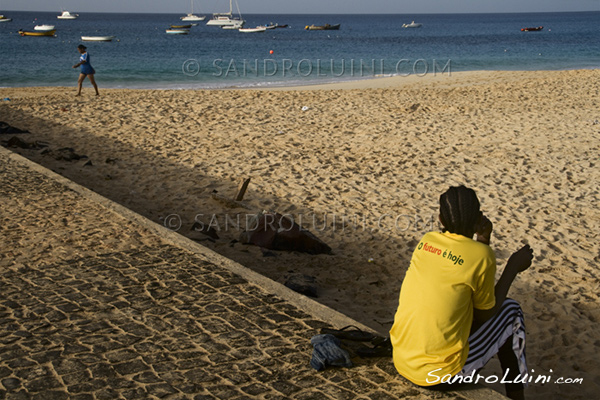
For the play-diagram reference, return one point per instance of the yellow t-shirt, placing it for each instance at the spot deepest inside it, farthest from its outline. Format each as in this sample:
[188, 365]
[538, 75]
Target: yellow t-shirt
[449, 275]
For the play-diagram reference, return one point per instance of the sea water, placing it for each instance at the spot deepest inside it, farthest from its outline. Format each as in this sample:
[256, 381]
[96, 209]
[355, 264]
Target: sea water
[143, 55]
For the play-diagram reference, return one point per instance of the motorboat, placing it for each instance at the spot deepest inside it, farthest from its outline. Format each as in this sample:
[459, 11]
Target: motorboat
[253, 30]
[412, 25]
[67, 15]
[177, 31]
[181, 26]
[43, 27]
[235, 26]
[276, 25]
[325, 27]
[221, 20]
[191, 17]
[534, 29]
[5, 19]
[97, 38]
[37, 33]
[225, 19]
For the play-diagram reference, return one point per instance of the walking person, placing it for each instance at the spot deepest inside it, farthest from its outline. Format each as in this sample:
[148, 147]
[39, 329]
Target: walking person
[86, 69]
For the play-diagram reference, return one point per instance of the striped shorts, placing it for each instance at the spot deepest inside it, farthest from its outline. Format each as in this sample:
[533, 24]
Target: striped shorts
[486, 341]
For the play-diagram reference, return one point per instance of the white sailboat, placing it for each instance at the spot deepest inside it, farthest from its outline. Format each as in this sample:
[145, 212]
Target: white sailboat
[226, 19]
[191, 17]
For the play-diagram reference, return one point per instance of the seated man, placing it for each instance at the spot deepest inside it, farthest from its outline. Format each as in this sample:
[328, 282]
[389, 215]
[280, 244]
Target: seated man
[451, 319]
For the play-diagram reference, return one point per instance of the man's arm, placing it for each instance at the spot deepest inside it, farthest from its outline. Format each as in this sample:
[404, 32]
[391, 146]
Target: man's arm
[517, 263]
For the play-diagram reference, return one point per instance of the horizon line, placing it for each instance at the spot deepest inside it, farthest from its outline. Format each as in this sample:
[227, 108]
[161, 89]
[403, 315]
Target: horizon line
[357, 13]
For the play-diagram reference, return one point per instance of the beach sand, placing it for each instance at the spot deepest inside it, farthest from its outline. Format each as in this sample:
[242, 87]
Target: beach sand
[362, 165]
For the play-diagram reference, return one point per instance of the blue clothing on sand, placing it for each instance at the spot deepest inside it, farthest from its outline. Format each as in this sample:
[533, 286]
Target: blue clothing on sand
[86, 67]
[327, 351]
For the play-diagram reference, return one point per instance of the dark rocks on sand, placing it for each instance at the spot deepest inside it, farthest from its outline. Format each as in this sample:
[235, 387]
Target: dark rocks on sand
[274, 231]
[16, 142]
[67, 154]
[206, 230]
[303, 284]
[6, 128]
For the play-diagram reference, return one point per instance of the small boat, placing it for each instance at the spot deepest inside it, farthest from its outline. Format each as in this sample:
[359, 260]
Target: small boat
[221, 20]
[43, 27]
[534, 29]
[97, 38]
[253, 30]
[235, 26]
[37, 33]
[412, 25]
[177, 31]
[190, 17]
[325, 27]
[5, 19]
[181, 26]
[193, 18]
[67, 15]
[226, 19]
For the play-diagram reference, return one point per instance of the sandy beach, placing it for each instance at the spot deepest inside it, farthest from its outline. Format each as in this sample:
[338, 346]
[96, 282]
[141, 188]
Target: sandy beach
[361, 165]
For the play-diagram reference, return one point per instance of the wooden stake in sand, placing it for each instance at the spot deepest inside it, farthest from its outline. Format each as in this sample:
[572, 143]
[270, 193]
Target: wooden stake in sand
[231, 203]
[242, 190]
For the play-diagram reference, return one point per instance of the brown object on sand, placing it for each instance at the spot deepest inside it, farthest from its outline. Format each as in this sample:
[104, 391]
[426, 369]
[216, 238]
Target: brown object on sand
[277, 232]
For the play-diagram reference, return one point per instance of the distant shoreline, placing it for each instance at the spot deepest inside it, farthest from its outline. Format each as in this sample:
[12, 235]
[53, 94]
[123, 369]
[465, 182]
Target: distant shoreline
[461, 78]
[363, 83]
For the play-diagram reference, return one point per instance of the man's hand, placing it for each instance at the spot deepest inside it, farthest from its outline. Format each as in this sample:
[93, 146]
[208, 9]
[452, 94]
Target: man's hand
[521, 259]
[484, 230]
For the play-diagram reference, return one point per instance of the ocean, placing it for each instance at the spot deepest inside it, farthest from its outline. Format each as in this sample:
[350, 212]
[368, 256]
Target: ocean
[142, 55]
